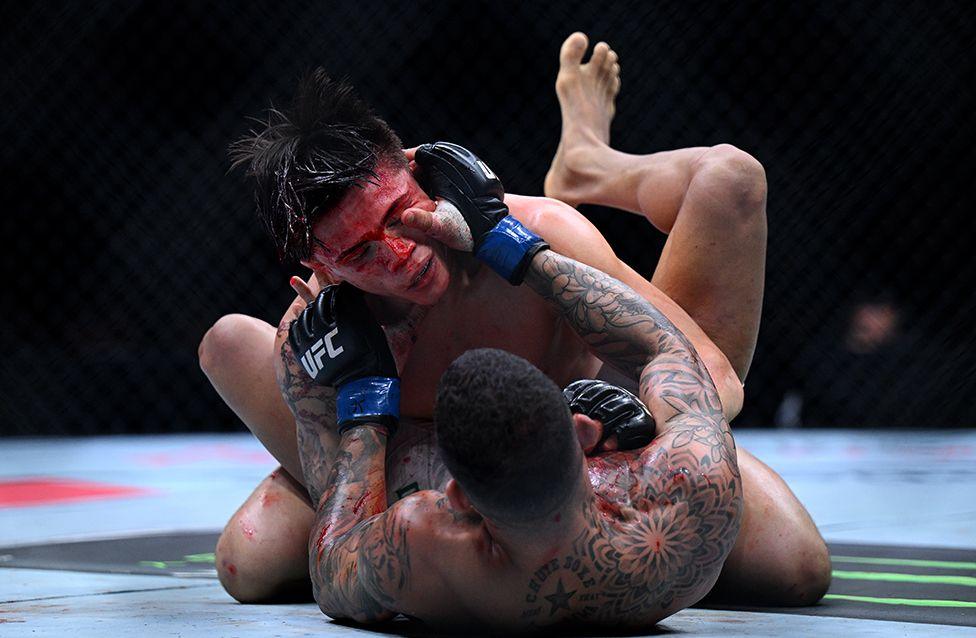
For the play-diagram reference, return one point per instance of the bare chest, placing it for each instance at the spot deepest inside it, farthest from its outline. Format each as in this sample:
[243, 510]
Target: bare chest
[489, 314]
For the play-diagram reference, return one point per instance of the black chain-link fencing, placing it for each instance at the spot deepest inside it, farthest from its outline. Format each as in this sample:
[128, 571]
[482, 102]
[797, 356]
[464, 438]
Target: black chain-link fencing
[125, 238]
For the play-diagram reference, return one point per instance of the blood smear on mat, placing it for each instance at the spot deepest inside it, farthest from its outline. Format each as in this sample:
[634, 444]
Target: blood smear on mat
[51, 491]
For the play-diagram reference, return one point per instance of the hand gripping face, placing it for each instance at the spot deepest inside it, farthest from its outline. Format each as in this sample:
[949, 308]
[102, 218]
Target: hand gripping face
[452, 172]
[340, 344]
[621, 413]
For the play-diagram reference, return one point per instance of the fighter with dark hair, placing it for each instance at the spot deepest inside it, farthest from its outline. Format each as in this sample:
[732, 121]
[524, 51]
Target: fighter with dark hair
[305, 160]
[341, 196]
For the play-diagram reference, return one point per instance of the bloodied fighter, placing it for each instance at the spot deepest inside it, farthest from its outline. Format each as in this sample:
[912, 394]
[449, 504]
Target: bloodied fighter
[338, 194]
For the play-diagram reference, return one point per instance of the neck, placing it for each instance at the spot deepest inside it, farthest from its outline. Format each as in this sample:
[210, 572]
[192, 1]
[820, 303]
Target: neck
[389, 310]
[531, 542]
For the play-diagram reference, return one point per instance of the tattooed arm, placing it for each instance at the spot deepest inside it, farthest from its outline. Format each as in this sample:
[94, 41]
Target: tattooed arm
[690, 477]
[347, 482]
[343, 425]
[357, 557]
[628, 332]
[314, 409]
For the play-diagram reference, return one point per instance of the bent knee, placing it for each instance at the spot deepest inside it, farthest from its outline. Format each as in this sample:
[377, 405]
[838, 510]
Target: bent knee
[262, 553]
[235, 572]
[737, 178]
[794, 576]
[806, 581]
[223, 341]
[250, 573]
[242, 575]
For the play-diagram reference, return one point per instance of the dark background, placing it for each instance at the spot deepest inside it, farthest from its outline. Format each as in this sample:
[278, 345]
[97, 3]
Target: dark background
[125, 237]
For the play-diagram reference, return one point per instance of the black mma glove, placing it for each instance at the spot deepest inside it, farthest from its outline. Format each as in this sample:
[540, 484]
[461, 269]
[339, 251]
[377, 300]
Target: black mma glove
[620, 411]
[340, 344]
[456, 174]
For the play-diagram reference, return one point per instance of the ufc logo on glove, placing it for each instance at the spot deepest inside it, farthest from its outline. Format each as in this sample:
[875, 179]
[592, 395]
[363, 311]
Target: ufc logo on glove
[312, 359]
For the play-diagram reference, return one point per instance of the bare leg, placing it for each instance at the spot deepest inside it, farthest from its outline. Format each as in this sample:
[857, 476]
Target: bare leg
[237, 355]
[262, 554]
[711, 202]
[779, 557]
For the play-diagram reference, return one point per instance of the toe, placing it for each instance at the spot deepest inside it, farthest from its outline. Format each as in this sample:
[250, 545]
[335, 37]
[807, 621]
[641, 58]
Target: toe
[571, 53]
[600, 52]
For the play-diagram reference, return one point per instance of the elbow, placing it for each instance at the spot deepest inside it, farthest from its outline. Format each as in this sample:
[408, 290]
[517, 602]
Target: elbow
[361, 616]
[328, 608]
[337, 591]
[328, 603]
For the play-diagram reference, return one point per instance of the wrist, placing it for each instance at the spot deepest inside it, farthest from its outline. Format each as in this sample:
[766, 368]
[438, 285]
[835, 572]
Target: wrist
[357, 430]
[369, 400]
[509, 248]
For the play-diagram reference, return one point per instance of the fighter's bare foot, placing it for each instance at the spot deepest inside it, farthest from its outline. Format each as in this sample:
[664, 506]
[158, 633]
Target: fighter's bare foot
[586, 95]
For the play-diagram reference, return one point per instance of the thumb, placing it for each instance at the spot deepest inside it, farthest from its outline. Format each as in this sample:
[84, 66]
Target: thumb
[445, 224]
[419, 219]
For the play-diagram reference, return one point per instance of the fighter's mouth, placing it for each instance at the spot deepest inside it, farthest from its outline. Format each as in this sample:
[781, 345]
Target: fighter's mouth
[420, 275]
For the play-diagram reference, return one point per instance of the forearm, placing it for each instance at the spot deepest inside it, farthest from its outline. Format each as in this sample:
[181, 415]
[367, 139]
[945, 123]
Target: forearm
[355, 493]
[314, 409]
[619, 325]
[691, 472]
[627, 331]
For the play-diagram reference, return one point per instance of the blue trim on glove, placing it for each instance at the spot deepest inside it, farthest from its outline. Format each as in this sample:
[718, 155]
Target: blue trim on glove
[506, 247]
[369, 400]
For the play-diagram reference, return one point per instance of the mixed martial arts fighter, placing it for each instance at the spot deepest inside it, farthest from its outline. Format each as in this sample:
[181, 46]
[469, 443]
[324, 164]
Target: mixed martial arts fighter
[337, 194]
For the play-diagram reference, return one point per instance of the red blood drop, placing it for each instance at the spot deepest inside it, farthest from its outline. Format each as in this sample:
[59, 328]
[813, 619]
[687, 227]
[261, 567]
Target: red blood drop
[247, 529]
[359, 504]
[320, 541]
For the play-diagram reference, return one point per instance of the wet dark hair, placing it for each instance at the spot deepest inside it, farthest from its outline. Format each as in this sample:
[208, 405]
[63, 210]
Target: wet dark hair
[506, 435]
[305, 158]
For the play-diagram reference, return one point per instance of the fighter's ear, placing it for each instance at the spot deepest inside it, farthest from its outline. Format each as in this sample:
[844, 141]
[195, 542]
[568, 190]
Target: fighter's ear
[589, 432]
[458, 499]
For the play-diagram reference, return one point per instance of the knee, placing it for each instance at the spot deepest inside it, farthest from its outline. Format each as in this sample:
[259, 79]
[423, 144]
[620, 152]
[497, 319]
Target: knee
[794, 575]
[814, 574]
[262, 553]
[260, 572]
[220, 342]
[245, 575]
[810, 577]
[735, 177]
[237, 574]
[804, 577]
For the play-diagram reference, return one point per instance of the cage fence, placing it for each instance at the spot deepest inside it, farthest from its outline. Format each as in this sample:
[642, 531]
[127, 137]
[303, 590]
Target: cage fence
[126, 236]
